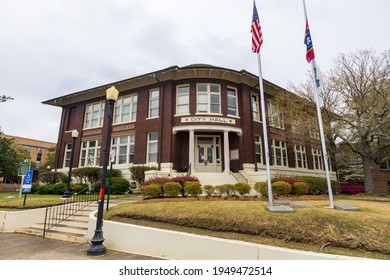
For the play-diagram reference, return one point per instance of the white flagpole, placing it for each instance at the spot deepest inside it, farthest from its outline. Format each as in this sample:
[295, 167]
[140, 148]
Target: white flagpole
[265, 134]
[325, 154]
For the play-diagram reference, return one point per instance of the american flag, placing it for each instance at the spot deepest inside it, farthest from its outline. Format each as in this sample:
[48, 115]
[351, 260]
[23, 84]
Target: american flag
[257, 36]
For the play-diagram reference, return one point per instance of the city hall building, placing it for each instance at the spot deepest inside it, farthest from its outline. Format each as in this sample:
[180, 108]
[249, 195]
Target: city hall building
[198, 119]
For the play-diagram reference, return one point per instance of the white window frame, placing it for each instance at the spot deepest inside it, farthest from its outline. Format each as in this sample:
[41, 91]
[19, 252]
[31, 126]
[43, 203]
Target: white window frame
[385, 164]
[67, 154]
[208, 93]
[276, 117]
[300, 150]
[282, 146]
[318, 163]
[234, 97]
[180, 95]
[152, 109]
[255, 107]
[90, 110]
[85, 160]
[149, 151]
[120, 142]
[129, 101]
[258, 149]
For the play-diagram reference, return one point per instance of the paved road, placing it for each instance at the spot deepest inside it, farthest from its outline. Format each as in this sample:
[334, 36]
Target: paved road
[16, 246]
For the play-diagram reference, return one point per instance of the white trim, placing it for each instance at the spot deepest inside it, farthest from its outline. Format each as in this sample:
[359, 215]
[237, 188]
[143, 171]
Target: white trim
[210, 128]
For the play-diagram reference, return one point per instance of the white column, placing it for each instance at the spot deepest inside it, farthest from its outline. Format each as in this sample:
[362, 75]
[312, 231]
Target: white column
[192, 151]
[226, 151]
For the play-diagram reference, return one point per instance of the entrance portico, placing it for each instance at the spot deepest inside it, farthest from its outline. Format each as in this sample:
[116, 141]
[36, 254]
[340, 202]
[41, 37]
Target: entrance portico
[205, 147]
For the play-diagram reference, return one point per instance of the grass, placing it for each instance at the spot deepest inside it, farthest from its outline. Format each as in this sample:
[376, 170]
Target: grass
[363, 233]
[11, 200]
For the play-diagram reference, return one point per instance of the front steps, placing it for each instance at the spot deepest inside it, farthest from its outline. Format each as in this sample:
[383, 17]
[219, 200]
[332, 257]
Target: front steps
[73, 229]
[215, 179]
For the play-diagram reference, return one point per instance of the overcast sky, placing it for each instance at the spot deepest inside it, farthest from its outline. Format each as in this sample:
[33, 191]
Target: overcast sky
[49, 48]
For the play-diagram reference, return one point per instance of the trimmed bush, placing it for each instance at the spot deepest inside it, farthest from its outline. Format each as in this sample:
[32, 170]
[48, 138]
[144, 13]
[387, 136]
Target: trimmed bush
[300, 188]
[192, 188]
[281, 188]
[319, 185]
[87, 175]
[288, 179]
[77, 188]
[151, 191]
[138, 173]
[208, 189]
[261, 187]
[119, 185]
[182, 180]
[350, 190]
[158, 181]
[242, 188]
[172, 189]
[51, 177]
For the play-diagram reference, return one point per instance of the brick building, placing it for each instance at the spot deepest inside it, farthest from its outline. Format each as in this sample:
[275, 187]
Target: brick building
[38, 149]
[201, 119]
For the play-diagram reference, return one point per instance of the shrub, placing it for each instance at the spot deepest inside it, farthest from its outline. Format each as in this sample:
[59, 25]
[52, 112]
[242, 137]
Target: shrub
[319, 185]
[172, 189]
[51, 177]
[288, 179]
[151, 191]
[261, 187]
[220, 189]
[300, 188]
[87, 175]
[208, 189]
[157, 180]
[192, 188]
[350, 190]
[281, 188]
[77, 188]
[138, 173]
[119, 185]
[242, 188]
[182, 180]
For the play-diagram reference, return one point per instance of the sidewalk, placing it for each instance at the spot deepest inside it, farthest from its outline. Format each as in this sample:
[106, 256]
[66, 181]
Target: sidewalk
[16, 246]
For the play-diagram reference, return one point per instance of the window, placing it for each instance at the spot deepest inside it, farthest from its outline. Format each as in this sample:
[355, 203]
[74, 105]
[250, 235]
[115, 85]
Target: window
[232, 102]
[317, 159]
[154, 101]
[90, 153]
[275, 116]
[152, 147]
[68, 151]
[258, 149]
[255, 107]
[385, 164]
[300, 156]
[124, 149]
[183, 100]
[279, 153]
[125, 109]
[39, 154]
[208, 99]
[94, 114]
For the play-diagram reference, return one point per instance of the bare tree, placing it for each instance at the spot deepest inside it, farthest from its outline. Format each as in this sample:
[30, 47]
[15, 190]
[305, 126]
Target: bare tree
[362, 80]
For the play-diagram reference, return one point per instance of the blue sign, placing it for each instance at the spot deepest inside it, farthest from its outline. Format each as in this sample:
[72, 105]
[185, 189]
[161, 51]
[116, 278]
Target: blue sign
[27, 182]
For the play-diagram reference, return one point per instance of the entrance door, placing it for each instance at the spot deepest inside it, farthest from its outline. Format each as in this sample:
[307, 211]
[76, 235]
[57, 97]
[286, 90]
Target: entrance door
[208, 154]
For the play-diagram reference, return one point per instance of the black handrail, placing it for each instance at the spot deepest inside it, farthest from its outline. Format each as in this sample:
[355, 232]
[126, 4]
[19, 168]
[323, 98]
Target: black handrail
[57, 213]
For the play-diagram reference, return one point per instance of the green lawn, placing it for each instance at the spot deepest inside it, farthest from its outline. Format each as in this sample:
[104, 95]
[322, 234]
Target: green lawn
[11, 200]
[364, 233]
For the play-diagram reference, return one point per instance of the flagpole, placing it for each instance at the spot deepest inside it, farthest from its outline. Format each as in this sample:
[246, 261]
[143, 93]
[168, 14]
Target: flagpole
[320, 124]
[265, 134]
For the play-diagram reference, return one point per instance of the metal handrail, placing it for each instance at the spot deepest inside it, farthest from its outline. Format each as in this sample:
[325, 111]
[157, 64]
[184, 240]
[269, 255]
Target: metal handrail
[58, 213]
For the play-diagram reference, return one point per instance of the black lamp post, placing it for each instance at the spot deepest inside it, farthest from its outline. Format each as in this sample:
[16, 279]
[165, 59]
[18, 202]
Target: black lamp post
[97, 248]
[67, 192]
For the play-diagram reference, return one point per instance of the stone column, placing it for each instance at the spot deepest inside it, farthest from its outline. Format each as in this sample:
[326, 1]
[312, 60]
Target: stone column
[226, 151]
[191, 149]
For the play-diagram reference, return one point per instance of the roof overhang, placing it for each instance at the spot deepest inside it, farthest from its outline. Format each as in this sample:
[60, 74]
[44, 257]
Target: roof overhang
[171, 73]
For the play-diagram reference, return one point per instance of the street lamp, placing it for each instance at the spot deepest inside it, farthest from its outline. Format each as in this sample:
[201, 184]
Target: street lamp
[68, 193]
[97, 248]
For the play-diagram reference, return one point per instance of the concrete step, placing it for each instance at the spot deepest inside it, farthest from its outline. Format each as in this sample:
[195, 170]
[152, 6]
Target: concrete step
[215, 179]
